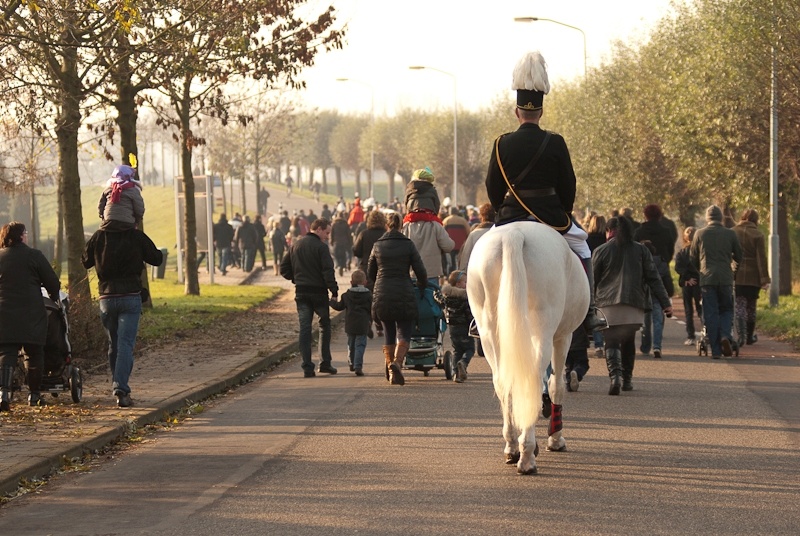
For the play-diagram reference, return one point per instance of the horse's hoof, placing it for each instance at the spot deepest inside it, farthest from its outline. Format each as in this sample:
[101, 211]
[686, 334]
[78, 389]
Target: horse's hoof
[512, 459]
[556, 446]
[562, 448]
[531, 471]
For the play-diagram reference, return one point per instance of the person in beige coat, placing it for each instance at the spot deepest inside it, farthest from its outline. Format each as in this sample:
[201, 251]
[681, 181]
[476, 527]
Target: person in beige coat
[751, 275]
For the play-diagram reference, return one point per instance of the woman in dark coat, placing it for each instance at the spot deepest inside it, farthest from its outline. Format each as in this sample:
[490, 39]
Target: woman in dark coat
[393, 300]
[623, 273]
[23, 318]
[751, 275]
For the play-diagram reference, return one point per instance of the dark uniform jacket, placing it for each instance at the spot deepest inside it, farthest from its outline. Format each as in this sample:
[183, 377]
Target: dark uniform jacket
[118, 258]
[308, 264]
[552, 170]
[23, 273]
[357, 301]
[393, 296]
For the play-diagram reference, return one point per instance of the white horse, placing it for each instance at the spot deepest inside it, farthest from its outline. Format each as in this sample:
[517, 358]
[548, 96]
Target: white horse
[528, 293]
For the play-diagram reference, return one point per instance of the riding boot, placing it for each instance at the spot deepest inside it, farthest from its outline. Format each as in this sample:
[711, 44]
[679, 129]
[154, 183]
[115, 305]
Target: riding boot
[395, 369]
[388, 355]
[34, 385]
[6, 377]
[741, 326]
[592, 322]
[614, 363]
[751, 335]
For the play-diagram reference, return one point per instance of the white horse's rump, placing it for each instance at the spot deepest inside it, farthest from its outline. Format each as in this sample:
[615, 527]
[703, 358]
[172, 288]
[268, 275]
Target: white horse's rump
[528, 293]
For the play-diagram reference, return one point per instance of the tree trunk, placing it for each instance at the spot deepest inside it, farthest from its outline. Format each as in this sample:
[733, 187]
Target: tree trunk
[370, 189]
[222, 189]
[257, 176]
[68, 124]
[58, 247]
[358, 182]
[391, 194]
[243, 195]
[339, 191]
[191, 283]
[324, 180]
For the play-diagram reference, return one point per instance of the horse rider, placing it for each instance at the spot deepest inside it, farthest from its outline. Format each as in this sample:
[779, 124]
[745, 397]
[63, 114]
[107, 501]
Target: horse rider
[530, 175]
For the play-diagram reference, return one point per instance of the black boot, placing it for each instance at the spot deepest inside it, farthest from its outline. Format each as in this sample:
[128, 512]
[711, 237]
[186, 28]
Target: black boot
[751, 335]
[34, 385]
[592, 322]
[740, 331]
[6, 375]
[614, 363]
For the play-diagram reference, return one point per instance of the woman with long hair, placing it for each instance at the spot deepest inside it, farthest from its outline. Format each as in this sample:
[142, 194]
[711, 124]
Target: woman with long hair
[23, 317]
[623, 271]
[394, 301]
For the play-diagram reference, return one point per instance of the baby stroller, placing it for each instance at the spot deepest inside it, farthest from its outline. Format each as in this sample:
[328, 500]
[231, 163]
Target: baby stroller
[704, 344]
[60, 373]
[426, 347]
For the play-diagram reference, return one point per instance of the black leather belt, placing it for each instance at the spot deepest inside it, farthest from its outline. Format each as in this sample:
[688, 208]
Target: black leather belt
[540, 192]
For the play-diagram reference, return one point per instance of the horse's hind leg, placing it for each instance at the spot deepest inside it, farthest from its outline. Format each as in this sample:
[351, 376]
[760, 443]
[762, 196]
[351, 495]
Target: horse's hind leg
[511, 449]
[555, 439]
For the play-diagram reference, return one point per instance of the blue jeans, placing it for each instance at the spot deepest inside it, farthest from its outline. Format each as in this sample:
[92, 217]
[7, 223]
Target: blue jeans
[248, 259]
[717, 314]
[224, 259]
[658, 324]
[307, 306]
[356, 346]
[120, 317]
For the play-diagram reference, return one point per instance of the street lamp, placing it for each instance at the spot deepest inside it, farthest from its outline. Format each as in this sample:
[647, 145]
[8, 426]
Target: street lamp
[534, 19]
[455, 126]
[372, 134]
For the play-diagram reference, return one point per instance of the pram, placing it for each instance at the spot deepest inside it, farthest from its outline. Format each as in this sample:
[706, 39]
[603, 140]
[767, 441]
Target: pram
[426, 347]
[704, 343]
[60, 373]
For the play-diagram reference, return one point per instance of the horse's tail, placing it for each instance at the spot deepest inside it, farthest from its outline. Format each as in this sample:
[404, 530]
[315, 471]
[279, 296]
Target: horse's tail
[518, 367]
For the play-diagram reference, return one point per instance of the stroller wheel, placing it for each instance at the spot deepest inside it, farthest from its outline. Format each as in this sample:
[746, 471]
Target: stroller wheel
[76, 384]
[448, 365]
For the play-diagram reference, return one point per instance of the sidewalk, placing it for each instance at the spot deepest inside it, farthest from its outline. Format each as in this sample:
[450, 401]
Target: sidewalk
[158, 391]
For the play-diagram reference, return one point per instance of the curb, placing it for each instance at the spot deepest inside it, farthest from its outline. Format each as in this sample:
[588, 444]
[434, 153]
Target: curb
[45, 466]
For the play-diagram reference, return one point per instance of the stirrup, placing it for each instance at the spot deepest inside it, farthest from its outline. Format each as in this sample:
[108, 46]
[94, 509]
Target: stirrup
[473, 329]
[594, 321]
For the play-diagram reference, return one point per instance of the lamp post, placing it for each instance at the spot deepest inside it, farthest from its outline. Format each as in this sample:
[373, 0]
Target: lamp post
[372, 134]
[534, 19]
[455, 126]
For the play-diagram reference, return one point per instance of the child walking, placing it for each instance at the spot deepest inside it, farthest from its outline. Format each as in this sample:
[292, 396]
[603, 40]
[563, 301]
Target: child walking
[459, 316]
[357, 300]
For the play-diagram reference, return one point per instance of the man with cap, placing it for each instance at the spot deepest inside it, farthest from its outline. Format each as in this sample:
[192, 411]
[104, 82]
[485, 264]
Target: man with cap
[713, 249]
[530, 175]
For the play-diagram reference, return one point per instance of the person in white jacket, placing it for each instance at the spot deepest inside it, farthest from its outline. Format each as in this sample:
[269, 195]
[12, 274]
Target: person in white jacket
[432, 242]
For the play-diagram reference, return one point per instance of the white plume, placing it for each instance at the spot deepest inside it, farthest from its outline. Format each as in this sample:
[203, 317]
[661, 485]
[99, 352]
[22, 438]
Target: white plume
[531, 73]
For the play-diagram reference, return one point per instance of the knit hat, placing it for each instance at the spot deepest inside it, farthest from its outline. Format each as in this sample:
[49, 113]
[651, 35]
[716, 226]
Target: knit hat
[123, 173]
[423, 174]
[713, 213]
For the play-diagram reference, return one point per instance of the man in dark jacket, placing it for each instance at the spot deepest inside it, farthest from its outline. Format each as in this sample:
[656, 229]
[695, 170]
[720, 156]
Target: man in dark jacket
[713, 250]
[118, 258]
[223, 236]
[247, 238]
[309, 266]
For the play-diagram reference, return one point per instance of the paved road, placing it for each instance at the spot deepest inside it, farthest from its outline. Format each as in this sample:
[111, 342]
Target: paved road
[699, 446]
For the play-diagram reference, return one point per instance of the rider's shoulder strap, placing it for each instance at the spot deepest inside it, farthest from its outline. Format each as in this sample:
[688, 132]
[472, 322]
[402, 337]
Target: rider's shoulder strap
[535, 158]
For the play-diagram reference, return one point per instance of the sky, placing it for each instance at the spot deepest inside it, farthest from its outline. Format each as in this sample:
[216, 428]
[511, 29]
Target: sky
[476, 42]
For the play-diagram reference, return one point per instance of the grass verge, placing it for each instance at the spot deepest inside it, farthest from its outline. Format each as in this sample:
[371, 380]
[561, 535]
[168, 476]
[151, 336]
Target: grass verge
[782, 323]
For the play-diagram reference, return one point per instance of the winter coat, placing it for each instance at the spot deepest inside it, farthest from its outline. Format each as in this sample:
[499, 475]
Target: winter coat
[357, 301]
[457, 229]
[713, 250]
[684, 267]
[456, 306]
[118, 258]
[422, 195]
[752, 271]
[23, 273]
[393, 296]
[129, 208]
[308, 264]
[661, 237]
[623, 275]
[261, 232]
[431, 241]
[278, 240]
[466, 249]
[246, 236]
[363, 246]
[341, 239]
[223, 234]
[356, 215]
